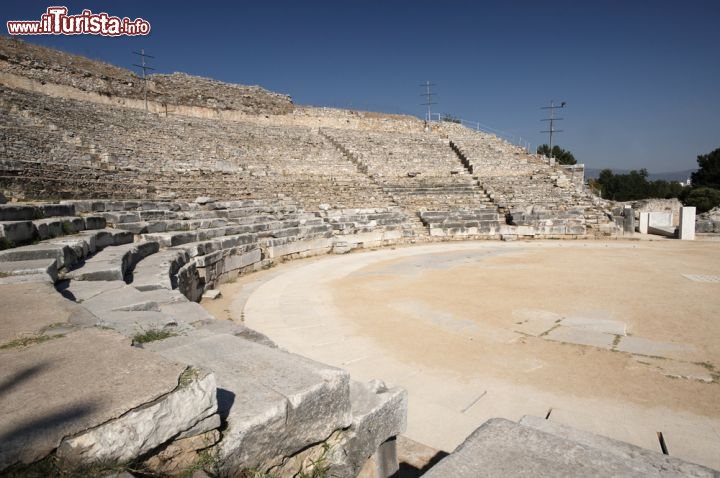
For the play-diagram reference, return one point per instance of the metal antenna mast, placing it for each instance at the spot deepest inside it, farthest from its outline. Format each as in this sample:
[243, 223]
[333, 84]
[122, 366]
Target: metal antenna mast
[552, 120]
[144, 68]
[428, 99]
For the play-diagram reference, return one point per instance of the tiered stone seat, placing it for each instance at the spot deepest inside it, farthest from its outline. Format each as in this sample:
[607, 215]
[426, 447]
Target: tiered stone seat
[69, 148]
[294, 404]
[533, 194]
[417, 170]
[27, 223]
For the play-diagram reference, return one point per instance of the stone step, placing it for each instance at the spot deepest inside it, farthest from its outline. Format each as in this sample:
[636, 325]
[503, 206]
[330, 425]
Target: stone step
[113, 263]
[504, 448]
[95, 413]
[159, 270]
[68, 250]
[22, 232]
[132, 312]
[45, 268]
[166, 225]
[28, 212]
[270, 399]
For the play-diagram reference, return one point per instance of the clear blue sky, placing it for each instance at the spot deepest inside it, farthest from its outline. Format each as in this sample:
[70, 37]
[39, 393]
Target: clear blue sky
[641, 78]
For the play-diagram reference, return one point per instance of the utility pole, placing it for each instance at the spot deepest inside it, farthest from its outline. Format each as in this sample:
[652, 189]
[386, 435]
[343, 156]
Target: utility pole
[428, 101]
[144, 68]
[552, 120]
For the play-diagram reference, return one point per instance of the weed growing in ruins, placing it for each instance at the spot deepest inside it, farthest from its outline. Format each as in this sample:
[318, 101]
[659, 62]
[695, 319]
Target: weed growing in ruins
[319, 467]
[5, 244]
[207, 461]
[67, 227]
[51, 466]
[28, 341]
[151, 335]
[187, 376]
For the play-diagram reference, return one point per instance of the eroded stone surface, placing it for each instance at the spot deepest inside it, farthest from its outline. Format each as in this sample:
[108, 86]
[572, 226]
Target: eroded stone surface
[270, 399]
[74, 383]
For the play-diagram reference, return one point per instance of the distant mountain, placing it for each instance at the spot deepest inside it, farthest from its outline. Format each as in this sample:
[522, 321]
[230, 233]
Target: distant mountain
[592, 173]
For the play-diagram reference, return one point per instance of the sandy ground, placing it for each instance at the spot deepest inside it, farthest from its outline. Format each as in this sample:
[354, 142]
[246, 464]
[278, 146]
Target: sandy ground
[608, 337]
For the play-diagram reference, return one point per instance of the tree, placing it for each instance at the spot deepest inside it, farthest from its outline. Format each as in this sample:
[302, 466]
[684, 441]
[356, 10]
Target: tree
[703, 198]
[634, 185]
[562, 156]
[709, 173]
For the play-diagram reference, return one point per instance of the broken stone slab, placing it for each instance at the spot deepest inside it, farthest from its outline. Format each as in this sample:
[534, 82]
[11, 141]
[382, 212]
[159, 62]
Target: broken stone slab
[69, 397]
[379, 414]
[504, 448]
[159, 271]
[187, 312]
[125, 298]
[113, 263]
[138, 324]
[274, 403]
[612, 327]
[576, 336]
[211, 294]
[146, 427]
[44, 267]
[659, 461]
[641, 346]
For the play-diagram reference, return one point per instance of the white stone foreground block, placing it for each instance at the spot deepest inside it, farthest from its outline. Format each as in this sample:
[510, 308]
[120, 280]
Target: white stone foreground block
[144, 428]
[644, 222]
[687, 224]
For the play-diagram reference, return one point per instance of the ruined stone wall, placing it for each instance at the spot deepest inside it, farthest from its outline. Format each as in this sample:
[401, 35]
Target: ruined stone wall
[51, 66]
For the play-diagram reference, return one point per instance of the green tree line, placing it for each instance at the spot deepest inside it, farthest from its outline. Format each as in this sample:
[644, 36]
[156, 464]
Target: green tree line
[704, 193]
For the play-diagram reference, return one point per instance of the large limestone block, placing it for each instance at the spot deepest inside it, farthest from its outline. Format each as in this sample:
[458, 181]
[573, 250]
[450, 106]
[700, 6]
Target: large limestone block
[669, 464]
[504, 448]
[144, 428]
[16, 232]
[379, 414]
[274, 403]
[71, 384]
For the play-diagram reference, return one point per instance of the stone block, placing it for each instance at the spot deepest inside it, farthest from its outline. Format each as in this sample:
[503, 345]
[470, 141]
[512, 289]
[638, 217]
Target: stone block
[71, 399]
[145, 428]
[379, 415]
[644, 222]
[16, 232]
[49, 228]
[504, 448]
[271, 400]
[54, 210]
[18, 212]
[687, 224]
[660, 219]
[665, 463]
[94, 222]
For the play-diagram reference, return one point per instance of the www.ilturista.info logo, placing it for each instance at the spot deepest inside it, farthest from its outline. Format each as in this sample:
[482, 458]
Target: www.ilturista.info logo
[57, 22]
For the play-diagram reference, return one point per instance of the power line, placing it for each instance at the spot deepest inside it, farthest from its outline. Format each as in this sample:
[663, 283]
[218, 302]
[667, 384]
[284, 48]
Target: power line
[144, 68]
[552, 120]
[428, 99]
